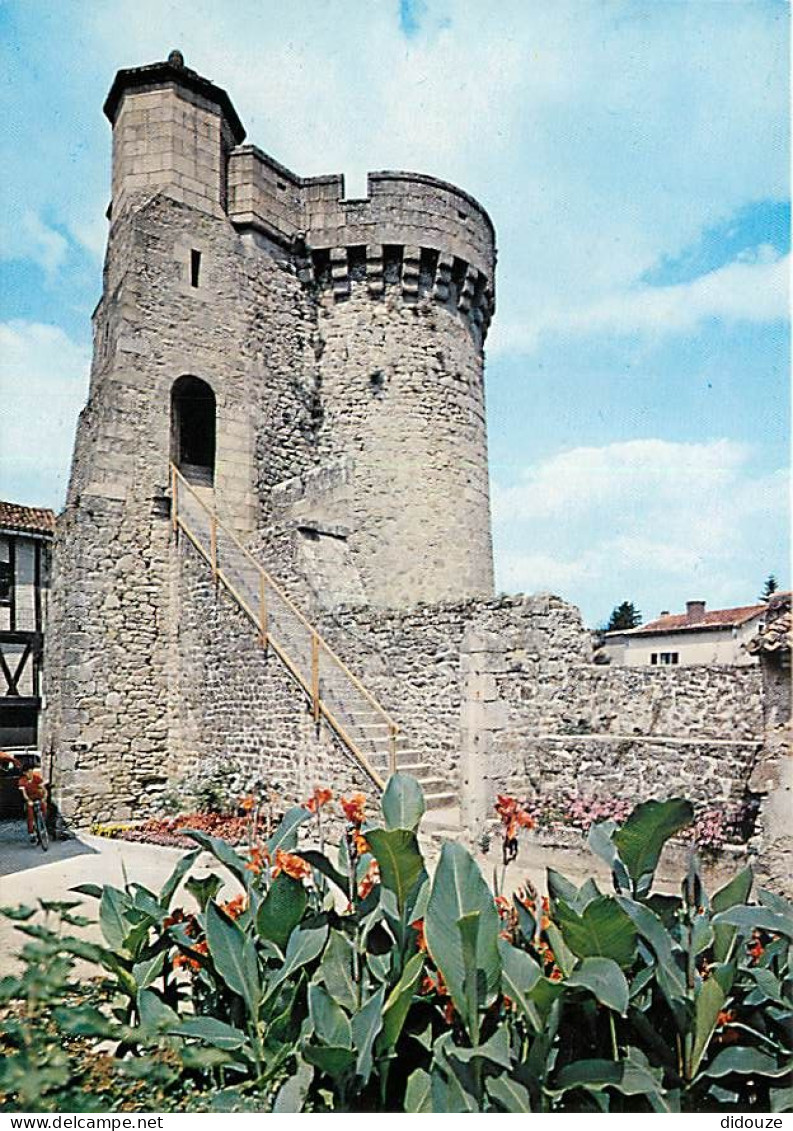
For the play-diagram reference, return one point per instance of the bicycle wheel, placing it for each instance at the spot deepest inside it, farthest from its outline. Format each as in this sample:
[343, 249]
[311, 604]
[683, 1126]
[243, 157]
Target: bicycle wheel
[41, 826]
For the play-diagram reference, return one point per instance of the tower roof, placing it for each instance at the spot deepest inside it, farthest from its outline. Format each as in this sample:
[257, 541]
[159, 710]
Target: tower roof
[172, 70]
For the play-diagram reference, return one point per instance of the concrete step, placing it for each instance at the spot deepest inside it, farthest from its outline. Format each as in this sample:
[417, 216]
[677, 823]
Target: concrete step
[445, 799]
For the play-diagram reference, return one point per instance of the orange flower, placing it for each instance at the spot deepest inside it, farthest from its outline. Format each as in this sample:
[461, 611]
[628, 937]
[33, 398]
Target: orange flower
[361, 843]
[502, 906]
[353, 808]
[421, 939]
[507, 1002]
[177, 916]
[319, 798]
[235, 907]
[555, 975]
[247, 803]
[448, 1012]
[186, 962]
[294, 866]
[513, 816]
[259, 860]
[371, 878]
[525, 899]
[725, 1017]
[755, 948]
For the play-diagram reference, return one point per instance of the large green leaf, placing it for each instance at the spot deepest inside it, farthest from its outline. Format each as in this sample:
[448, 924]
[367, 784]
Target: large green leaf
[653, 930]
[746, 1060]
[145, 972]
[519, 974]
[468, 926]
[281, 909]
[508, 1094]
[114, 908]
[603, 978]
[418, 1093]
[709, 1003]
[330, 1023]
[334, 1061]
[629, 1078]
[458, 889]
[234, 957]
[322, 864]
[400, 861]
[640, 840]
[398, 1003]
[155, 1015]
[366, 1025]
[204, 888]
[736, 891]
[223, 852]
[304, 945]
[293, 1093]
[337, 971]
[285, 836]
[170, 886]
[603, 929]
[403, 803]
[750, 918]
[212, 1032]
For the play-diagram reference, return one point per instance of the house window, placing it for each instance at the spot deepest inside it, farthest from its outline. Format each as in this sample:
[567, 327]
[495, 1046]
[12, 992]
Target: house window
[669, 657]
[6, 582]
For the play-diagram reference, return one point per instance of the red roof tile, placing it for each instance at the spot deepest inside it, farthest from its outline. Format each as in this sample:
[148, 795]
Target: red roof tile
[30, 520]
[716, 618]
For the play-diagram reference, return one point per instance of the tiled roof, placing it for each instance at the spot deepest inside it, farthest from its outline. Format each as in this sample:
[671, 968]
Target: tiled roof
[30, 520]
[716, 618]
[777, 633]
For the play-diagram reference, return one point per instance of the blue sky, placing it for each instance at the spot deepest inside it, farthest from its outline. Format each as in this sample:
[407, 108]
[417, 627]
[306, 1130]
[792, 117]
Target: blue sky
[634, 158]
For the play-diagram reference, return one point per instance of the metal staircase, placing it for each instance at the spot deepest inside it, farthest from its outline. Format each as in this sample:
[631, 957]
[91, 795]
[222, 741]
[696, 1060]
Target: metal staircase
[334, 694]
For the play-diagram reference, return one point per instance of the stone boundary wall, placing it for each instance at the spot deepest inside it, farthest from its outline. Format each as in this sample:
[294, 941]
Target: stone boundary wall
[610, 731]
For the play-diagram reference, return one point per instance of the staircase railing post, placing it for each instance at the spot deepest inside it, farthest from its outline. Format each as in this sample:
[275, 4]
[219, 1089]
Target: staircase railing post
[392, 759]
[174, 498]
[315, 675]
[263, 627]
[213, 544]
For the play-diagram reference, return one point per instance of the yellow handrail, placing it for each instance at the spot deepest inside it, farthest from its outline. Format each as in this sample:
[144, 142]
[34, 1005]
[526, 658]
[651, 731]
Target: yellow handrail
[261, 620]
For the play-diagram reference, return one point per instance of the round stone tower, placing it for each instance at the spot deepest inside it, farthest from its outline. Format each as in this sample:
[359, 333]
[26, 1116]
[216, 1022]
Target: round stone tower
[405, 292]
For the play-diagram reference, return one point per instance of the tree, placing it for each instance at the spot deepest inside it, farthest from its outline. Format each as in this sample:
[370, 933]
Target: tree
[624, 616]
[771, 586]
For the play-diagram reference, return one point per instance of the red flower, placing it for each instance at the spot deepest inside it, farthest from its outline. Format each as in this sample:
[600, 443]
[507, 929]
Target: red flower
[755, 948]
[235, 907]
[259, 860]
[247, 803]
[294, 866]
[421, 939]
[319, 798]
[371, 878]
[353, 808]
[361, 843]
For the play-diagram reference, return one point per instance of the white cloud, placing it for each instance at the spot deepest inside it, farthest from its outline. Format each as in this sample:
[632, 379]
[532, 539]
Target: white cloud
[39, 242]
[43, 386]
[753, 288]
[638, 518]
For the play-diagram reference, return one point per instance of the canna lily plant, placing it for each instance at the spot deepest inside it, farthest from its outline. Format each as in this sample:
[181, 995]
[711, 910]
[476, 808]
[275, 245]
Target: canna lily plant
[351, 979]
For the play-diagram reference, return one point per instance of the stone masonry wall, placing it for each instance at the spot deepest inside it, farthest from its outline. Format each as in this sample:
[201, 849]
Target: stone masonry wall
[403, 396]
[233, 699]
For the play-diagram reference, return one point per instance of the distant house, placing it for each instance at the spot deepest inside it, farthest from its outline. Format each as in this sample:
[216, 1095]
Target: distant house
[693, 637]
[26, 535]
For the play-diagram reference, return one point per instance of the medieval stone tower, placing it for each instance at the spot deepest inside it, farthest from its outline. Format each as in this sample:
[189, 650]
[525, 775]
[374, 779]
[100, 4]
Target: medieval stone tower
[311, 365]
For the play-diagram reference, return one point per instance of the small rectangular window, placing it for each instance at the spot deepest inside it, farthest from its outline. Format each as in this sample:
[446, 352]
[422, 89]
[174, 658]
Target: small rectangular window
[654, 658]
[6, 582]
[668, 658]
[195, 267]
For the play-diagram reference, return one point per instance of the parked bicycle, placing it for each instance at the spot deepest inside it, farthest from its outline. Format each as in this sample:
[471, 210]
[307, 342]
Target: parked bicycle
[34, 792]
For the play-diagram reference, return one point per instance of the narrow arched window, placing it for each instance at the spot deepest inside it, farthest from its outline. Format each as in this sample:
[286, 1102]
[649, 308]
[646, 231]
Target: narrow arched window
[193, 430]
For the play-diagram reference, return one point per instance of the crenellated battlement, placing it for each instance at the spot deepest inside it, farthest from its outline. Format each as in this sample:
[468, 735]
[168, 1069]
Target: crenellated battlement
[412, 231]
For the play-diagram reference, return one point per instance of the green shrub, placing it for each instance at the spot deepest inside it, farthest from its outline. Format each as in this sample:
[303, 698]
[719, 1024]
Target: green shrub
[349, 980]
